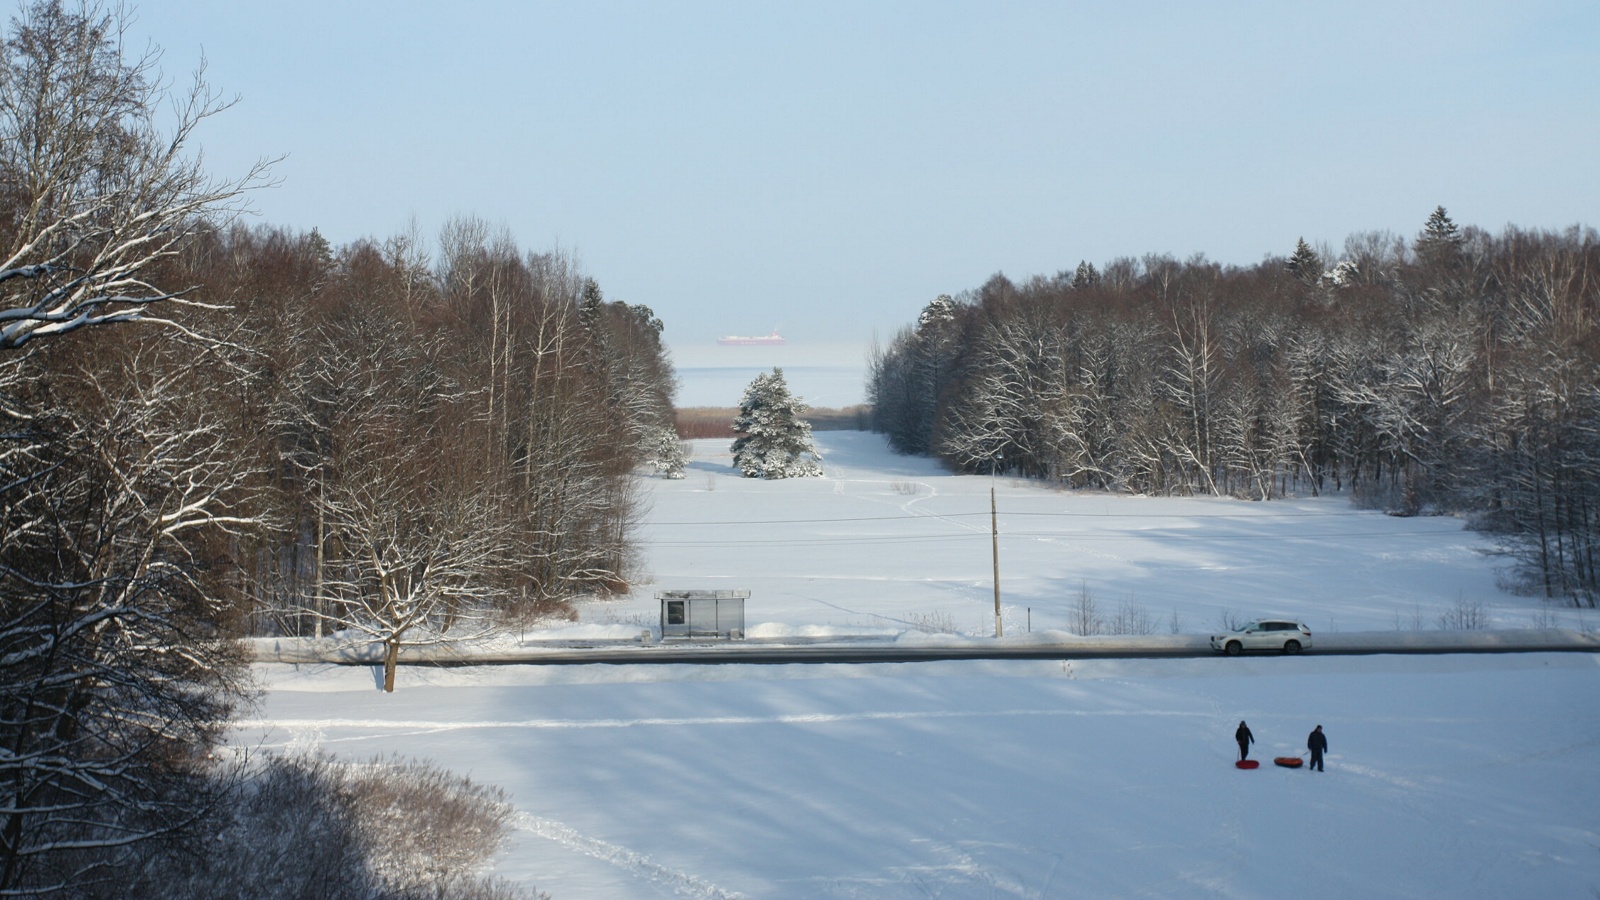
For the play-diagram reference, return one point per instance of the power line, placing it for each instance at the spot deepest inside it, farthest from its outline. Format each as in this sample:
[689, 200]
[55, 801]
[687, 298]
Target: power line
[1268, 517]
[846, 540]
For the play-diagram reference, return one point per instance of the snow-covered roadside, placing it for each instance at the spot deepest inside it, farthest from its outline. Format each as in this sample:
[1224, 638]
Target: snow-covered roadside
[549, 647]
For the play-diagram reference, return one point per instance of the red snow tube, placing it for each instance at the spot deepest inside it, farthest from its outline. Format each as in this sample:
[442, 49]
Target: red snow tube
[1247, 764]
[1289, 762]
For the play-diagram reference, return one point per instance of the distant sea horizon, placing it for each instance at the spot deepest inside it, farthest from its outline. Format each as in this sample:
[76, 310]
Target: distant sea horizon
[830, 376]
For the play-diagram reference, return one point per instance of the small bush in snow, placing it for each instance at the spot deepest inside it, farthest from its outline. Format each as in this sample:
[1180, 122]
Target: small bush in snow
[1413, 622]
[1131, 618]
[309, 826]
[1085, 613]
[1545, 616]
[1466, 615]
[936, 622]
[420, 824]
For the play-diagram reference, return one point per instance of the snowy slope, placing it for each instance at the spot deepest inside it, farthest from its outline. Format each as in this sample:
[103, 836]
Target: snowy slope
[885, 542]
[1469, 776]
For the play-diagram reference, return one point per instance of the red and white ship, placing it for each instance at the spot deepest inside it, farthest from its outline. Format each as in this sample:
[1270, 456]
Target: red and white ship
[733, 340]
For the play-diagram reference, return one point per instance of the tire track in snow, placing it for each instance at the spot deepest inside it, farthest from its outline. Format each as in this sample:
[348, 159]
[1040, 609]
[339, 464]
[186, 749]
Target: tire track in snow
[681, 883]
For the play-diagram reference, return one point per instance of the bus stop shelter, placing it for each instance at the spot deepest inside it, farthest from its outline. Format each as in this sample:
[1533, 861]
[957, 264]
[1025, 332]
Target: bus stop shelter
[711, 614]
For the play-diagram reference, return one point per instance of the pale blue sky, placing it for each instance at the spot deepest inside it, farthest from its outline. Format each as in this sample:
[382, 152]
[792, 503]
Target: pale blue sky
[830, 167]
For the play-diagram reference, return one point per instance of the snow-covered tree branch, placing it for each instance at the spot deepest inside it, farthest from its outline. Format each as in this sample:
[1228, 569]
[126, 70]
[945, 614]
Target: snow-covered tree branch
[96, 190]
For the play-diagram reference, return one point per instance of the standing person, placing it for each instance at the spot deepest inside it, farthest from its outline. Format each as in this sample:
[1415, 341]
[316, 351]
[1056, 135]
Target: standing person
[1317, 743]
[1245, 739]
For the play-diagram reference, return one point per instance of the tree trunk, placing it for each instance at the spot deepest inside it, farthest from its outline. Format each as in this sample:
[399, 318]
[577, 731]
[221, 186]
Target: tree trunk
[391, 655]
[322, 536]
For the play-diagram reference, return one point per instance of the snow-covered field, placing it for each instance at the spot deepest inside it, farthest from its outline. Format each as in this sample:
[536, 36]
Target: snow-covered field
[1462, 775]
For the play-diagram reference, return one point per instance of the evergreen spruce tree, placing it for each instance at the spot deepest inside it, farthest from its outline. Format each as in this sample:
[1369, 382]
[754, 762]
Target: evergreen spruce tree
[668, 456]
[1305, 264]
[1441, 240]
[589, 308]
[774, 441]
[1087, 276]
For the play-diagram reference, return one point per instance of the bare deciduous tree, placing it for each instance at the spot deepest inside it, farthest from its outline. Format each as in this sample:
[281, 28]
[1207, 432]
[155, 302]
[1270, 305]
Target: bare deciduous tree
[93, 191]
[116, 673]
[1084, 617]
[119, 494]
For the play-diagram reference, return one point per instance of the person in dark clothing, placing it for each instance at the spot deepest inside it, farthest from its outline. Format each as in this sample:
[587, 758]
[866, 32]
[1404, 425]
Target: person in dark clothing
[1317, 743]
[1245, 739]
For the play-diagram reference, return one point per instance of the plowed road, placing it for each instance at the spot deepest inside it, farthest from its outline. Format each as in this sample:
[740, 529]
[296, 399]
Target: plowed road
[877, 651]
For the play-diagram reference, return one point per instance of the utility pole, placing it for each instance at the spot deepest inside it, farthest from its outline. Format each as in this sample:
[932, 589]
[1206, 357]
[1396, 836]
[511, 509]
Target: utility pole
[994, 541]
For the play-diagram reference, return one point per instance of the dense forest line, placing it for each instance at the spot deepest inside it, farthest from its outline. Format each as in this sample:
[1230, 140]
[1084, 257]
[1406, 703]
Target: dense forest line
[368, 438]
[436, 435]
[210, 431]
[1458, 372]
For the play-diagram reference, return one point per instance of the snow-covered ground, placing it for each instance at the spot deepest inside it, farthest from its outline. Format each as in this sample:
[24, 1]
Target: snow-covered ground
[1462, 775]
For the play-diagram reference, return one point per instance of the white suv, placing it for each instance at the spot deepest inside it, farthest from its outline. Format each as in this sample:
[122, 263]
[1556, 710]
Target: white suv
[1264, 634]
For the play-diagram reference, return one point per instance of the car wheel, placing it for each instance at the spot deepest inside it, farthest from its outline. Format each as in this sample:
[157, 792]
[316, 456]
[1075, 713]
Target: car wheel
[1292, 647]
[1234, 648]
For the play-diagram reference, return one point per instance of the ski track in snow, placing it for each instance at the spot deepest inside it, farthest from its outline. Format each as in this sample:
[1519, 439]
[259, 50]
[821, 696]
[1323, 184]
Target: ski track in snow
[425, 726]
[953, 873]
[307, 737]
[681, 883]
[1407, 786]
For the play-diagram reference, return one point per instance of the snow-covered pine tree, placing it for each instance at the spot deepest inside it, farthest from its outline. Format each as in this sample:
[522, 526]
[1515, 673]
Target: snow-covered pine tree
[774, 441]
[669, 457]
[941, 310]
[1087, 275]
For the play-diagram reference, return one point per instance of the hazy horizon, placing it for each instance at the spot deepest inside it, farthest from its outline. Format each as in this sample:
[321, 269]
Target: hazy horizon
[828, 375]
